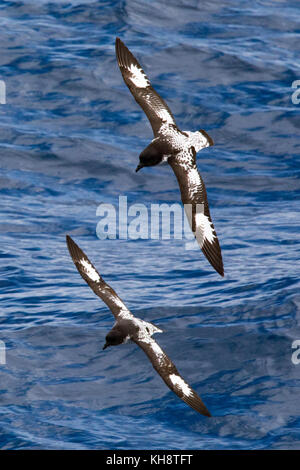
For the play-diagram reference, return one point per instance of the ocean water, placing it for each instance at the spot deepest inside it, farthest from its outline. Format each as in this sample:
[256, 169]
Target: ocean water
[70, 136]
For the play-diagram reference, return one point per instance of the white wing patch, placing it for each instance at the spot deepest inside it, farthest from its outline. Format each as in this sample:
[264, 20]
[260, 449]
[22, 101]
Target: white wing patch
[164, 116]
[204, 229]
[138, 77]
[177, 381]
[194, 180]
[89, 270]
[160, 355]
[124, 313]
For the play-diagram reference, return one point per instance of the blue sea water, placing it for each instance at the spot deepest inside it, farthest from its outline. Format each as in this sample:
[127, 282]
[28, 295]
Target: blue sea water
[70, 136]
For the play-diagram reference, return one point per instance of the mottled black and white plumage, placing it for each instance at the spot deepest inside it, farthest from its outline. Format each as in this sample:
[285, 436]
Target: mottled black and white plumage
[178, 148]
[128, 327]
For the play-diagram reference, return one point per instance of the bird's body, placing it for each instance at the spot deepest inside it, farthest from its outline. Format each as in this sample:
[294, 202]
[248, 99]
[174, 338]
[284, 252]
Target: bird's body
[176, 147]
[127, 327]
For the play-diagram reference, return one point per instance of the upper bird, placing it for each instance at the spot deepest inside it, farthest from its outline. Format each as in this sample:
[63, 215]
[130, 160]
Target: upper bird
[127, 327]
[178, 148]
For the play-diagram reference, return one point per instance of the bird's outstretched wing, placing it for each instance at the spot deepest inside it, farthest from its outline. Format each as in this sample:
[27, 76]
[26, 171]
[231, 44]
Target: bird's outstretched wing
[194, 198]
[138, 83]
[95, 281]
[170, 375]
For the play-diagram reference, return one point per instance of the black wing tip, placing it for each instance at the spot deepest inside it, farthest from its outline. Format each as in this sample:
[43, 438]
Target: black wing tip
[70, 243]
[122, 53]
[197, 404]
[74, 250]
[119, 44]
[220, 271]
[216, 263]
[217, 267]
[213, 254]
[206, 413]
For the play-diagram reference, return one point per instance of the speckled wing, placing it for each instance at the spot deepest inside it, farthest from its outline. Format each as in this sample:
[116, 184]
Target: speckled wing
[138, 83]
[95, 281]
[170, 375]
[194, 198]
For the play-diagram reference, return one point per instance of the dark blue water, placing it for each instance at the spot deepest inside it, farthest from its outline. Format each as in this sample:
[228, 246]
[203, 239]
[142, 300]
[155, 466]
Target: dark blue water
[70, 136]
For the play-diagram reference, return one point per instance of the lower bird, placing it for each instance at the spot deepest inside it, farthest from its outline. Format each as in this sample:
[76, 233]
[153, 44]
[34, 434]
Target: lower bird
[176, 147]
[128, 327]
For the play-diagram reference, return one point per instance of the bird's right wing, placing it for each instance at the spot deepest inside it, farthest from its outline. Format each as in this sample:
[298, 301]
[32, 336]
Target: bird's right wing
[194, 199]
[89, 273]
[170, 375]
[156, 110]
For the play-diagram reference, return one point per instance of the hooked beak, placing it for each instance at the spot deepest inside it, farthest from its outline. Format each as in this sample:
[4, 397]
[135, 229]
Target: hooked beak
[139, 167]
[105, 346]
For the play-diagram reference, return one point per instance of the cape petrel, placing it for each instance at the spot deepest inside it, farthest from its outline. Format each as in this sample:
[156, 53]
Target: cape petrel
[178, 148]
[128, 327]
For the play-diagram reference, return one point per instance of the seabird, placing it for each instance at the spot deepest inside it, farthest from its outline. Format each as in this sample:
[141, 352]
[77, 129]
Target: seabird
[176, 147]
[128, 327]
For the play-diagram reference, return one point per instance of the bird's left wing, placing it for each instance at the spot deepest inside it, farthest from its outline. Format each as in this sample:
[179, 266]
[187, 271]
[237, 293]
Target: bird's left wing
[156, 110]
[90, 274]
[170, 375]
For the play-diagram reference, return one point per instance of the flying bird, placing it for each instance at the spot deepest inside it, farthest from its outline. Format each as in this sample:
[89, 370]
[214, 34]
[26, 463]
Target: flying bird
[176, 147]
[128, 327]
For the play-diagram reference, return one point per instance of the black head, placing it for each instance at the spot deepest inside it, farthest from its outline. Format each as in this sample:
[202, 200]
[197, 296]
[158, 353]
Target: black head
[113, 338]
[150, 156]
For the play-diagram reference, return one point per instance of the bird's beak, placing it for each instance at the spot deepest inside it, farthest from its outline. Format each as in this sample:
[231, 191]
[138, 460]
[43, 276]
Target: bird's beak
[139, 167]
[105, 346]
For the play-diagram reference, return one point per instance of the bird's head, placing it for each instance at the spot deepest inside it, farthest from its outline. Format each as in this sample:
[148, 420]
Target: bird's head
[113, 338]
[150, 156]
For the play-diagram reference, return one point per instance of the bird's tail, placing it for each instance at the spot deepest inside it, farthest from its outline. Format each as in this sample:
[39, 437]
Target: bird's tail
[152, 329]
[210, 142]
